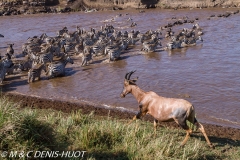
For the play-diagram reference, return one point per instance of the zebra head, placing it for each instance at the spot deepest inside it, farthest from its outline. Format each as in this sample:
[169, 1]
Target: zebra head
[11, 45]
[200, 38]
[69, 59]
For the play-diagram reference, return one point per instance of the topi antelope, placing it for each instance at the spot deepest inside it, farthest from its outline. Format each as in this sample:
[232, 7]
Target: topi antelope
[162, 109]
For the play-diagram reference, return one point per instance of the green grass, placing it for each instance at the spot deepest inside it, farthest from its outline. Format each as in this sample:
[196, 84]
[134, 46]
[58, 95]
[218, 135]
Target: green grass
[102, 137]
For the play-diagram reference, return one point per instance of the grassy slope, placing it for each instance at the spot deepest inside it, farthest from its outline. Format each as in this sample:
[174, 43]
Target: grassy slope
[102, 137]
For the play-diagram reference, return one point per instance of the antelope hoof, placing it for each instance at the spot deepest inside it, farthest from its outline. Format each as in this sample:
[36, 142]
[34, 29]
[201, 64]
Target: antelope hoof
[122, 95]
[211, 146]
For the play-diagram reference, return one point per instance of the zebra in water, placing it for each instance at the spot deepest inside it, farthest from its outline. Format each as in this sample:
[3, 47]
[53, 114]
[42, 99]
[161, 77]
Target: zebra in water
[99, 47]
[114, 54]
[8, 64]
[87, 55]
[79, 47]
[88, 42]
[133, 34]
[193, 40]
[60, 32]
[68, 46]
[25, 65]
[58, 69]
[175, 44]
[34, 57]
[2, 72]
[151, 47]
[46, 57]
[10, 50]
[35, 72]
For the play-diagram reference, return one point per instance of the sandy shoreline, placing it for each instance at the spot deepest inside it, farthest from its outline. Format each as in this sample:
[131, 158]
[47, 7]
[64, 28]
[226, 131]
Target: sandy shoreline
[67, 107]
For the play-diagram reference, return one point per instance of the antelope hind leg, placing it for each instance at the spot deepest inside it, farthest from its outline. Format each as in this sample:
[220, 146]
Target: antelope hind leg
[201, 128]
[182, 123]
[189, 131]
[155, 127]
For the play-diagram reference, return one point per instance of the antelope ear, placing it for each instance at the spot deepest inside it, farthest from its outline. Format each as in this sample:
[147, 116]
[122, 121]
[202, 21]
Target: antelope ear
[134, 80]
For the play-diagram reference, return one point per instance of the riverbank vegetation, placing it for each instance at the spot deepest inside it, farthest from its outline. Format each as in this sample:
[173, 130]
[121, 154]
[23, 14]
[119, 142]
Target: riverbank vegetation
[27, 129]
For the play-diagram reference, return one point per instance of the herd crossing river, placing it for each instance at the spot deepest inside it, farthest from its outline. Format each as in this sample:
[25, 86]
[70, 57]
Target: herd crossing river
[206, 74]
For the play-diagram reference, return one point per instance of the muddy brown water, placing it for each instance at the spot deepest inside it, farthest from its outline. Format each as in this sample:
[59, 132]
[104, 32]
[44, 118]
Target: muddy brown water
[207, 74]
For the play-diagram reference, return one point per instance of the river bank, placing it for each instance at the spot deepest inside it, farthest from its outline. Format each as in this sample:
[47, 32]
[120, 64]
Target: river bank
[48, 133]
[68, 107]
[17, 7]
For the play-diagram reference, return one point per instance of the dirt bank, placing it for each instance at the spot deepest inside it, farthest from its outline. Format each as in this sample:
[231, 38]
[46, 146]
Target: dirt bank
[17, 7]
[161, 4]
[36, 102]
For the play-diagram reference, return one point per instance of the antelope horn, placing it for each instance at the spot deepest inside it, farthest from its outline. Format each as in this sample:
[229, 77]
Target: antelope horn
[131, 74]
[126, 76]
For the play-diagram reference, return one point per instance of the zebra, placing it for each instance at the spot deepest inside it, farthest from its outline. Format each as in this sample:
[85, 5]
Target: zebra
[88, 42]
[99, 47]
[151, 47]
[114, 54]
[134, 24]
[10, 49]
[131, 41]
[58, 69]
[68, 46]
[49, 40]
[45, 58]
[34, 57]
[175, 44]
[79, 47]
[35, 72]
[87, 55]
[9, 66]
[71, 37]
[193, 40]
[60, 32]
[153, 40]
[2, 72]
[133, 34]
[25, 65]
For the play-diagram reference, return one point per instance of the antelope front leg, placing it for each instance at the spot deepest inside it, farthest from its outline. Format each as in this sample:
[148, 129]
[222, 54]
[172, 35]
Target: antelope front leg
[134, 118]
[201, 128]
[155, 127]
[138, 116]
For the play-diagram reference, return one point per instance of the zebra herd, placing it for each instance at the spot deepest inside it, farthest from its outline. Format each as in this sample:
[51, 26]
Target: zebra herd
[51, 54]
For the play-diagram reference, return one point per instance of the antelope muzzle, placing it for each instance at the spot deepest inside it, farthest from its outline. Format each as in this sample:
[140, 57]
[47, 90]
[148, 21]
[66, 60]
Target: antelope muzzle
[122, 95]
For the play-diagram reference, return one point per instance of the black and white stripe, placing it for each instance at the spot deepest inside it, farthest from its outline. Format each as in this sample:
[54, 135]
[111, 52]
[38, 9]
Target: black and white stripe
[58, 69]
[2, 72]
[46, 58]
[35, 72]
[60, 32]
[149, 47]
[87, 55]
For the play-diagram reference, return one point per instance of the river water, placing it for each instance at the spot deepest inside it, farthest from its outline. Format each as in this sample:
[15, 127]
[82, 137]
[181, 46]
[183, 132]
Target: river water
[207, 74]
